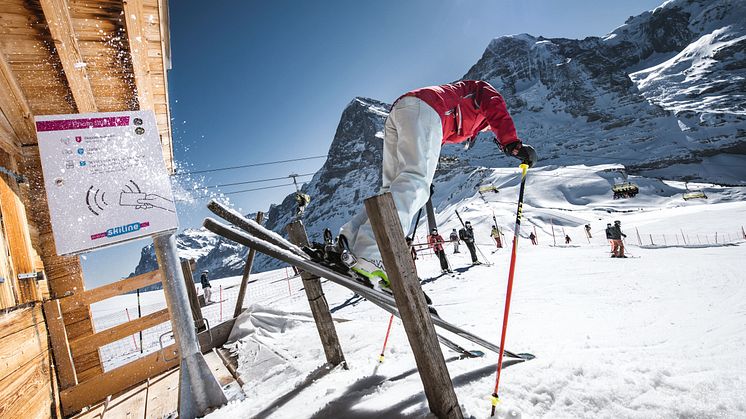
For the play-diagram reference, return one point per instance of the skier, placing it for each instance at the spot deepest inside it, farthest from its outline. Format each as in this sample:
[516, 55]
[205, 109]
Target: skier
[532, 236]
[436, 242]
[616, 238]
[588, 231]
[567, 239]
[412, 250]
[467, 235]
[206, 288]
[419, 123]
[608, 237]
[495, 234]
[455, 241]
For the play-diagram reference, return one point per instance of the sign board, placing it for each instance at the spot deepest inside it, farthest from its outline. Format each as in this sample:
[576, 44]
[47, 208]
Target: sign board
[105, 178]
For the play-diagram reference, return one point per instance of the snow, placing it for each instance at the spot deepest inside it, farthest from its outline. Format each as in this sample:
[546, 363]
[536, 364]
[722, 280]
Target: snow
[660, 334]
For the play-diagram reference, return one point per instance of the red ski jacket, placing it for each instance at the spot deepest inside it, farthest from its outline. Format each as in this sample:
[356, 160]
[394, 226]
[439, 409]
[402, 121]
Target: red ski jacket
[467, 107]
[436, 242]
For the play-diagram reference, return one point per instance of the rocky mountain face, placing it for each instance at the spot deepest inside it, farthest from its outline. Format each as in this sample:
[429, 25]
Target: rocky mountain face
[663, 92]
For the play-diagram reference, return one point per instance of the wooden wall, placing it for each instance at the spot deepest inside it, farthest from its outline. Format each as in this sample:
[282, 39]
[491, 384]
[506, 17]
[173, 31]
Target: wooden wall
[28, 387]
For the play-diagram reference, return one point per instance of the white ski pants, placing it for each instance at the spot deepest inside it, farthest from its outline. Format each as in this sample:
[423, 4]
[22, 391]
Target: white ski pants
[411, 147]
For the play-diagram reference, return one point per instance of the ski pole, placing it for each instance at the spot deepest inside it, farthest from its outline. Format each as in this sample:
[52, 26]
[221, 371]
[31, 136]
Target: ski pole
[516, 235]
[386, 339]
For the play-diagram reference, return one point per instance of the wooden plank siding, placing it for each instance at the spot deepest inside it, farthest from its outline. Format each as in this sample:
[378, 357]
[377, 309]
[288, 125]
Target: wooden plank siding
[61, 57]
[27, 381]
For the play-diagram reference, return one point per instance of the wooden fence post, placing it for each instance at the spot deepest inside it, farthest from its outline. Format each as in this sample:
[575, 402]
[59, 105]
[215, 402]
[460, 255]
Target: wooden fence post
[246, 273]
[186, 268]
[414, 312]
[63, 358]
[317, 301]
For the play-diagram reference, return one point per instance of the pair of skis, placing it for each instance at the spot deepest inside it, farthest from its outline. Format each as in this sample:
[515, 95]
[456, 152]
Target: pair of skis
[251, 234]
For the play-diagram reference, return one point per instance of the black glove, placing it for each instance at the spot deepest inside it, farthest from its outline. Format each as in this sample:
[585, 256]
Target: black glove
[523, 152]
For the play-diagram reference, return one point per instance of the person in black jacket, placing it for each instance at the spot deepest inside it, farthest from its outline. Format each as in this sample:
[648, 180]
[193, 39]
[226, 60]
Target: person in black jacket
[608, 237]
[206, 288]
[466, 234]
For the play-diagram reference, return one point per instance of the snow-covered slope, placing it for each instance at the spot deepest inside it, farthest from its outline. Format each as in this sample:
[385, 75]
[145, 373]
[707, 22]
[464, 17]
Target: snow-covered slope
[657, 335]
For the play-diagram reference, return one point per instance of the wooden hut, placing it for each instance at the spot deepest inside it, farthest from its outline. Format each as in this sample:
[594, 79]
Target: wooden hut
[61, 57]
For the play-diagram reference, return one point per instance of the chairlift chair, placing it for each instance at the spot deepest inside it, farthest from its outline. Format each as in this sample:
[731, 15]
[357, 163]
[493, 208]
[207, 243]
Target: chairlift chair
[625, 190]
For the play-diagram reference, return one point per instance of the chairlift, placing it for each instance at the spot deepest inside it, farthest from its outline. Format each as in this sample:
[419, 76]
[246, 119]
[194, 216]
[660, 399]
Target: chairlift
[488, 188]
[694, 195]
[625, 190]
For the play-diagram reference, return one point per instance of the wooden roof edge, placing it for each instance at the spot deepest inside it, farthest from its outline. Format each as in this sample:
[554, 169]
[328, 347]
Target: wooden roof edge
[165, 22]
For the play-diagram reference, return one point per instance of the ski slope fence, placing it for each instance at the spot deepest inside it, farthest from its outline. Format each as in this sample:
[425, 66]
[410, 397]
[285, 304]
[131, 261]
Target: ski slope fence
[263, 288]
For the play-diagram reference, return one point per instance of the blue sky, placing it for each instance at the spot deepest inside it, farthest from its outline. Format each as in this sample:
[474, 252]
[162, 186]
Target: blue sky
[264, 81]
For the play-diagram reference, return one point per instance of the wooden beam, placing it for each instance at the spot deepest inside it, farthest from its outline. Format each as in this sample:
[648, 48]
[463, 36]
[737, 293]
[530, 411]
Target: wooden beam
[14, 105]
[121, 378]
[412, 307]
[123, 286]
[166, 131]
[19, 240]
[316, 299]
[88, 343]
[134, 19]
[60, 25]
[26, 393]
[246, 273]
[186, 267]
[60, 348]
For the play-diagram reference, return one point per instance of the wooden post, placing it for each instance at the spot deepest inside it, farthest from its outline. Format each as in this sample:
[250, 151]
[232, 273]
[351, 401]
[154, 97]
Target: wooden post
[410, 301]
[554, 239]
[186, 268]
[246, 273]
[317, 301]
[63, 358]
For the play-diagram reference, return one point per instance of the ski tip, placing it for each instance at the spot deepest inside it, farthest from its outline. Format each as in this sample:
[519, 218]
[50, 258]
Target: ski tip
[475, 354]
[526, 356]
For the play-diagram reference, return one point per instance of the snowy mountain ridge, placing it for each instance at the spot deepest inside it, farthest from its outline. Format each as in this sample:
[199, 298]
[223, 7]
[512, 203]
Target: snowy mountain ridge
[662, 94]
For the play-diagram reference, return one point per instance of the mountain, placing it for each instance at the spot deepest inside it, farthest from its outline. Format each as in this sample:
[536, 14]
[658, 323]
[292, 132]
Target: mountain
[664, 95]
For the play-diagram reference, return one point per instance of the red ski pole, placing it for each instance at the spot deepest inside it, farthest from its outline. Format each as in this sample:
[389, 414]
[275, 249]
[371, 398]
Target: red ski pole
[516, 231]
[386, 339]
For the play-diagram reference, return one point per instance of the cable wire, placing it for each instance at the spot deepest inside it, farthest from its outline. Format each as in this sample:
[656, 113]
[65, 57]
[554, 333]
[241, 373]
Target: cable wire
[193, 172]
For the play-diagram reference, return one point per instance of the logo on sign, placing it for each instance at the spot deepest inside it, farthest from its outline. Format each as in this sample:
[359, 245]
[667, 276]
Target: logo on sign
[78, 139]
[81, 151]
[118, 231]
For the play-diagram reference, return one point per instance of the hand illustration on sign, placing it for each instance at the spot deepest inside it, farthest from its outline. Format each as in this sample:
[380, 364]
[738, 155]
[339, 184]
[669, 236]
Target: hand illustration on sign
[134, 197]
[152, 200]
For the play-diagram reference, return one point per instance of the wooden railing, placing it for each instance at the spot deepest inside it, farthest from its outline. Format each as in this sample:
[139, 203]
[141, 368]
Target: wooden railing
[76, 394]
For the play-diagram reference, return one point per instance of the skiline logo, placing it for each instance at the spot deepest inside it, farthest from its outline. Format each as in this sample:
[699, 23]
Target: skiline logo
[118, 231]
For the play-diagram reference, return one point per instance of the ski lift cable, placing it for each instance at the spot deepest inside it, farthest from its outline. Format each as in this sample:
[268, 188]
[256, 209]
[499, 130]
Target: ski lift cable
[254, 181]
[247, 190]
[217, 169]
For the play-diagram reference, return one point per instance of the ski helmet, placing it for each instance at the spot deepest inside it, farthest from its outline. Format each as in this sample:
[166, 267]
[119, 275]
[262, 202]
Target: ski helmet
[617, 222]
[205, 271]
